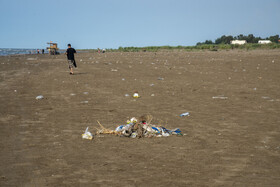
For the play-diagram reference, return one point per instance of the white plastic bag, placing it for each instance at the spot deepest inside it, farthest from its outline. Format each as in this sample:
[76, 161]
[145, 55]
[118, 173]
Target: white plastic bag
[87, 135]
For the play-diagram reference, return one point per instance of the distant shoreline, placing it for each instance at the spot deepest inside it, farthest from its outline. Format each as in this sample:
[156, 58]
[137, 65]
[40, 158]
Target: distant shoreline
[23, 51]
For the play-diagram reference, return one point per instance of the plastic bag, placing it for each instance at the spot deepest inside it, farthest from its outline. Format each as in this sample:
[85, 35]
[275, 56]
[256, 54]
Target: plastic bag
[119, 128]
[87, 135]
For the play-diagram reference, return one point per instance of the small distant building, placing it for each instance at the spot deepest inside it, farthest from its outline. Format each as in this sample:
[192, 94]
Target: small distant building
[53, 49]
[264, 42]
[238, 42]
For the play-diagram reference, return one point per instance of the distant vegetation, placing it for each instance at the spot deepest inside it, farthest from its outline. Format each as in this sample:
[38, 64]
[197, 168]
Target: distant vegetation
[222, 43]
[250, 39]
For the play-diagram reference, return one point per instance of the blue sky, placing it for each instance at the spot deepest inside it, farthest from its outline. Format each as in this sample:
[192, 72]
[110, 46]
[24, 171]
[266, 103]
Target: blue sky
[113, 23]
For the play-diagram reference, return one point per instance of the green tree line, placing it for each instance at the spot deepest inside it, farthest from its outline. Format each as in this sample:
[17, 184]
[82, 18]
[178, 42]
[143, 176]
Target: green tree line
[222, 43]
[250, 39]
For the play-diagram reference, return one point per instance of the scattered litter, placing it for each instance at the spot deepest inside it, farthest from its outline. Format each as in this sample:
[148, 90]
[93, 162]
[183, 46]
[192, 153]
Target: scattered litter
[133, 135]
[136, 95]
[126, 95]
[119, 128]
[140, 127]
[153, 95]
[152, 84]
[72, 94]
[123, 79]
[81, 60]
[185, 114]
[264, 97]
[39, 97]
[114, 70]
[85, 93]
[219, 97]
[84, 102]
[15, 90]
[160, 78]
[87, 135]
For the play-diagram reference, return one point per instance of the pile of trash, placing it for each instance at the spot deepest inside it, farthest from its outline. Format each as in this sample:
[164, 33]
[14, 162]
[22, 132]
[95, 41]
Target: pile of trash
[139, 128]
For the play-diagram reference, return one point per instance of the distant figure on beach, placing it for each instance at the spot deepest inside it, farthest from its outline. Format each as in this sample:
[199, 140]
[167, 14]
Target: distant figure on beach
[103, 50]
[98, 50]
[71, 59]
[43, 51]
[38, 51]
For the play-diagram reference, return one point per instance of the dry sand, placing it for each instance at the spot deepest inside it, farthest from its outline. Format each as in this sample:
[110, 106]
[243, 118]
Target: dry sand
[228, 141]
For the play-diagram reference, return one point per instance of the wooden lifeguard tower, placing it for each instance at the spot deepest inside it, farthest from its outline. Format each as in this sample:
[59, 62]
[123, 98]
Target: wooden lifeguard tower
[53, 49]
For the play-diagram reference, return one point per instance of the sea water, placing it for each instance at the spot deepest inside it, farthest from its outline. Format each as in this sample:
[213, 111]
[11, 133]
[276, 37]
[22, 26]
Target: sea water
[15, 51]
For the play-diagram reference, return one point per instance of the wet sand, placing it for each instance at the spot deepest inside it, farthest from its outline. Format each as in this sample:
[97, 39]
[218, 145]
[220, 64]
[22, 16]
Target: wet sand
[231, 138]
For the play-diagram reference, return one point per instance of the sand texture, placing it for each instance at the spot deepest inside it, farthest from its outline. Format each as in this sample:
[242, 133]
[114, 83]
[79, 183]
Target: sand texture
[231, 138]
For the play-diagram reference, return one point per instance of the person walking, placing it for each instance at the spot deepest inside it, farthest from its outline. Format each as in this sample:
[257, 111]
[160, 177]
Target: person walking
[71, 59]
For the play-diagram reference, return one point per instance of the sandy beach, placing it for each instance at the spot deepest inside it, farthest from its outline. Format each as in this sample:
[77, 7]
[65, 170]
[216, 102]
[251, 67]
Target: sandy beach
[231, 138]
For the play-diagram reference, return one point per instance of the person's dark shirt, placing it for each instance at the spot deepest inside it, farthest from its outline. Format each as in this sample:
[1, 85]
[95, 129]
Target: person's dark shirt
[70, 53]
